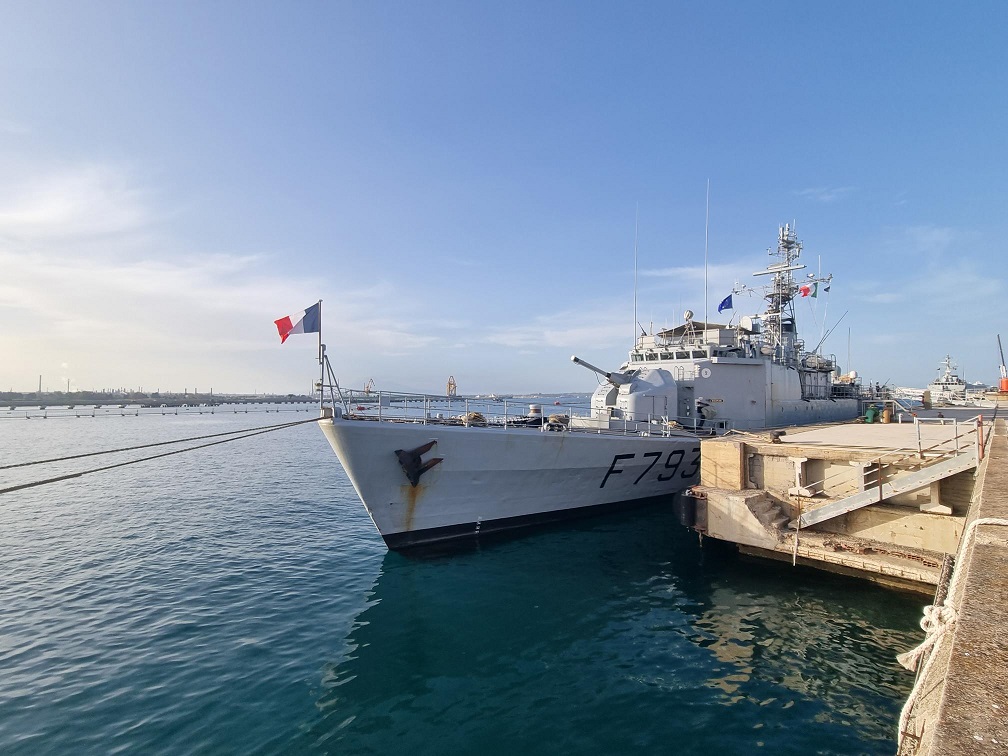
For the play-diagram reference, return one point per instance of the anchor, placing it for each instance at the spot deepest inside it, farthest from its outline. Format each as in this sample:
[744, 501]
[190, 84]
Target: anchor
[413, 465]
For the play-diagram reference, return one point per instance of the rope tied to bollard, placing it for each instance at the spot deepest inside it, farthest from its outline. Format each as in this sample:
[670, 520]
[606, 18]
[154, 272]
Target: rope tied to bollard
[937, 620]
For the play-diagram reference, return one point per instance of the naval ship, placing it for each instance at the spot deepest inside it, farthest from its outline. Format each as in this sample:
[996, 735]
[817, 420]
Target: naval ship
[431, 469]
[948, 388]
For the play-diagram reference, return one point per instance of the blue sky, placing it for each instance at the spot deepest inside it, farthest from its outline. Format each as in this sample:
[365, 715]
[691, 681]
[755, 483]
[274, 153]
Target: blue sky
[458, 182]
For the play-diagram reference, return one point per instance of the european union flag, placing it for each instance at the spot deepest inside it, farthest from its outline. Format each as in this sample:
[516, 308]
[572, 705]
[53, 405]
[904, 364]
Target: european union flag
[725, 304]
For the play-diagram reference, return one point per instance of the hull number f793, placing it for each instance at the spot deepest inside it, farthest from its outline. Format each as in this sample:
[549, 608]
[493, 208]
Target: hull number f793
[668, 471]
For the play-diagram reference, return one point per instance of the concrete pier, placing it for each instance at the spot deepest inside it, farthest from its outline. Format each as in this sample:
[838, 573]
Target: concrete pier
[885, 502]
[891, 503]
[960, 704]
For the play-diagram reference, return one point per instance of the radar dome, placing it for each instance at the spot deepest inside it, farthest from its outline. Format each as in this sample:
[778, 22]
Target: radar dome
[688, 315]
[852, 374]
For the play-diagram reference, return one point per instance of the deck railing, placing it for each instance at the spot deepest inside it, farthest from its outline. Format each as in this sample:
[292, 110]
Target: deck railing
[512, 413]
[402, 406]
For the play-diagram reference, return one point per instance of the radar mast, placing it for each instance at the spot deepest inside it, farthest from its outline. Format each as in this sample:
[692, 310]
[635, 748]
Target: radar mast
[780, 334]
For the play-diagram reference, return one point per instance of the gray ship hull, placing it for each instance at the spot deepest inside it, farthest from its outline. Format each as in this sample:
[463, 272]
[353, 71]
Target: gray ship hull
[494, 479]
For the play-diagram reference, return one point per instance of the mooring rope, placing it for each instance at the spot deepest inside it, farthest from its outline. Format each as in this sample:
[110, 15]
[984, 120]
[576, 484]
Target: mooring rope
[247, 433]
[148, 446]
[937, 623]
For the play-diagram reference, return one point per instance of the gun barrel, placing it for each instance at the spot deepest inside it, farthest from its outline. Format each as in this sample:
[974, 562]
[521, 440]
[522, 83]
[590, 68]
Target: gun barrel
[616, 379]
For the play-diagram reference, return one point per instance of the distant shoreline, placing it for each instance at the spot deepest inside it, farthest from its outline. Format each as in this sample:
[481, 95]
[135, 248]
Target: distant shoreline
[24, 399]
[154, 399]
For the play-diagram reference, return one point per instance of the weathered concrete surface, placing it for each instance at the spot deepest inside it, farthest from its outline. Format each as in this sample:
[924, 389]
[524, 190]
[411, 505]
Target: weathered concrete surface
[750, 483]
[723, 465]
[888, 438]
[963, 704]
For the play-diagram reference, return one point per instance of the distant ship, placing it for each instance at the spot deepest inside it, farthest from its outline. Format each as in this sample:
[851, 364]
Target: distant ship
[952, 390]
[948, 388]
[425, 476]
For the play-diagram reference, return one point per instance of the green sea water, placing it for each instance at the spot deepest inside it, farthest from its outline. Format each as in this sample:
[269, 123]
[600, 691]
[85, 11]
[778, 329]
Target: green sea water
[238, 600]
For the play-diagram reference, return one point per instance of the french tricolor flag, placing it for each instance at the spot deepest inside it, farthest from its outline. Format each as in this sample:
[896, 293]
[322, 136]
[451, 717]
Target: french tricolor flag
[309, 321]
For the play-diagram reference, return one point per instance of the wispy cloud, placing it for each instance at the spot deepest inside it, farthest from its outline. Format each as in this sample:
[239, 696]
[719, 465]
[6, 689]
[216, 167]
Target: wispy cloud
[695, 273]
[931, 240]
[93, 278]
[826, 194]
[81, 201]
[13, 128]
[682, 272]
[592, 327]
[884, 297]
[963, 283]
[946, 271]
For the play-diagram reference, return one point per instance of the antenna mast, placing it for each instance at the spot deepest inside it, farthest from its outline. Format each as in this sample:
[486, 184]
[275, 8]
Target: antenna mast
[705, 238]
[635, 231]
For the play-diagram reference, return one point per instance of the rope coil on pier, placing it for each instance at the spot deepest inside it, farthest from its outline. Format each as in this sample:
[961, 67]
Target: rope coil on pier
[235, 435]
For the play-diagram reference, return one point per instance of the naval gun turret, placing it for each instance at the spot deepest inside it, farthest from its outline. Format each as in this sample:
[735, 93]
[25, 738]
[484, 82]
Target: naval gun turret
[616, 379]
[642, 395]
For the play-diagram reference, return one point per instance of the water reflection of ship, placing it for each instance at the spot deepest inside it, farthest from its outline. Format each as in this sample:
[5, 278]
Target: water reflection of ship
[497, 645]
[480, 644]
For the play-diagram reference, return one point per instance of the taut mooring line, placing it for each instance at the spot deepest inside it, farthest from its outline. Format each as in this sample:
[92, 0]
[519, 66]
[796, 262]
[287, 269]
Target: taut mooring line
[159, 443]
[70, 476]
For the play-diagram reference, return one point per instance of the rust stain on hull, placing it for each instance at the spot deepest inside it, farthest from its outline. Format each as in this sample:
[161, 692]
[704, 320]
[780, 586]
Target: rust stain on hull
[411, 495]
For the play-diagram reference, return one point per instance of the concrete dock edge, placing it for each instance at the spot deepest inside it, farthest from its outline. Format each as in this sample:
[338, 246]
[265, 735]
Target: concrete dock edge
[961, 701]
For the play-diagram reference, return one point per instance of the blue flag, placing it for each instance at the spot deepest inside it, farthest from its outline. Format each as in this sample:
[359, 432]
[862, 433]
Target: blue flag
[725, 304]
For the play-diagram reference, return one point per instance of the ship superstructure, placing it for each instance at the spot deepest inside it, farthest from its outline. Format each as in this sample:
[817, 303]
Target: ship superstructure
[755, 374]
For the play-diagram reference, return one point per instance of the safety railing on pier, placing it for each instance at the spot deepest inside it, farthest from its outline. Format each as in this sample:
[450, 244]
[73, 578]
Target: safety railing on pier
[965, 448]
